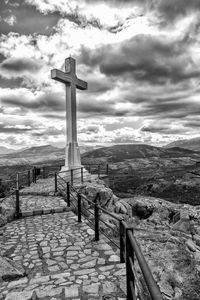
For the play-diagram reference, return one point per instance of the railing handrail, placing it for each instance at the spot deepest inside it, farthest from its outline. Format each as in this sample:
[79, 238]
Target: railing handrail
[68, 171]
[8, 195]
[150, 281]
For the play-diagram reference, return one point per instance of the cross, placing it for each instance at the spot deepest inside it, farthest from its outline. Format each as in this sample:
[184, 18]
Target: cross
[69, 78]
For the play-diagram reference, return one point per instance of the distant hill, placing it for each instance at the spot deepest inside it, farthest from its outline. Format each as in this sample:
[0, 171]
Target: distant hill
[118, 153]
[5, 150]
[192, 144]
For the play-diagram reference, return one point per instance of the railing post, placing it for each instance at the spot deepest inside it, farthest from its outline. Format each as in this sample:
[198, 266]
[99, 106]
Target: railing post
[122, 245]
[60, 167]
[34, 174]
[89, 169]
[81, 174]
[96, 219]
[29, 178]
[79, 208]
[68, 194]
[17, 202]
[99, 170]
[17, 181]
[72, 179]
[107, 169]
[129, 253]
[56, 183]
[44, 175]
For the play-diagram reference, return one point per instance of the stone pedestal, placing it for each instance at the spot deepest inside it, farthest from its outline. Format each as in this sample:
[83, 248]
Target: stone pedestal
[72, 156]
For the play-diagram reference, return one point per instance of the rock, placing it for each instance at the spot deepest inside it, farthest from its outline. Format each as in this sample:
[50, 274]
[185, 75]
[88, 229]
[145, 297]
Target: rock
[191, 245]
[155, 218]
[109, 287]
[7, 211]
[92, 288]
[196, 238]
[10, 269]
[123, 207]
[166, 289]
[182, 225]
[25, 295]
[18, 283]
[90, 190]
[71, 291]
[178, 294]
[3, 220]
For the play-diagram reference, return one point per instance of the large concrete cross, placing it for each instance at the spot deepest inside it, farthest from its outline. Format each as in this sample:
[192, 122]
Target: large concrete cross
[69, 78]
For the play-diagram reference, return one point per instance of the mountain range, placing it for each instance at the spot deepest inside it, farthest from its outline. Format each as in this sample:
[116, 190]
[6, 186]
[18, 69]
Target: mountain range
[116, 153]
[119, 153]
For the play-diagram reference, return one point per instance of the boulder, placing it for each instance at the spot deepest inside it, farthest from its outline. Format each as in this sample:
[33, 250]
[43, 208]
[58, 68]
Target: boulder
[90, 190]
[123, 207]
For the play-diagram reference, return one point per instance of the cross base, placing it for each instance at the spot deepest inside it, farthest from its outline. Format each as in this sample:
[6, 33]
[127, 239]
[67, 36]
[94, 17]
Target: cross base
[72, 156]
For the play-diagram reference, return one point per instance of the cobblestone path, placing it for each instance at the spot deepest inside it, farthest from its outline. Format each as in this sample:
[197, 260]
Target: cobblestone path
[59, 255]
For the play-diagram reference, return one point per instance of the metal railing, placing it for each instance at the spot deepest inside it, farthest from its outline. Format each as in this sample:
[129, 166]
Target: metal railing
[82, 174]
[122, 237]
[25, 178]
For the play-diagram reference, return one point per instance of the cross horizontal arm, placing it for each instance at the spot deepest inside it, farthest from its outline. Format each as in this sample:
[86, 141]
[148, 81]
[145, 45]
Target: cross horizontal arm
[60, 76]
[81, 85]
[67, 78]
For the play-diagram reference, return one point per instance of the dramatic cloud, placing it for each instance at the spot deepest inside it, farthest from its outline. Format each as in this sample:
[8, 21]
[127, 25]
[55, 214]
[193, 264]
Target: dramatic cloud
[140, 58]
[145, 58]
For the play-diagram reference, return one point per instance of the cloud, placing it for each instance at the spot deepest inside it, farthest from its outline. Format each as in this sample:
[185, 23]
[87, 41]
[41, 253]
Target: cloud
[167, 129]
[19, 17]
[14, 129]
[144, 58]
[11, 82]
[99, 85]
[54, 116]
[93, 108]
[40, 101]
[20, 65]
[50, 131]
[192, 124]
[172, 10]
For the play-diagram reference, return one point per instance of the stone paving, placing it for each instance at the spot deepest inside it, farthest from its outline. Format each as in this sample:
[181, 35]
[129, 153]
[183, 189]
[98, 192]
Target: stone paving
[60, 258]
[42, 187]
[37, 205]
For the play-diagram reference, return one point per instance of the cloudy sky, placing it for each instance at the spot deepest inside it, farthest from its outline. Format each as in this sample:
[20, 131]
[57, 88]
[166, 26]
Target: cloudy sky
[141, 59]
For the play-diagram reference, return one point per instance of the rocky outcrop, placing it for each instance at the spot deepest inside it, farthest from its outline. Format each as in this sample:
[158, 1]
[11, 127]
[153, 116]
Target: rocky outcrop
[168, 233]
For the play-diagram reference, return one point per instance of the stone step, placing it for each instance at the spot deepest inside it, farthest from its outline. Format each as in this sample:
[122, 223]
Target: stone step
[105, 282]
[32, 205]
[36, 212]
